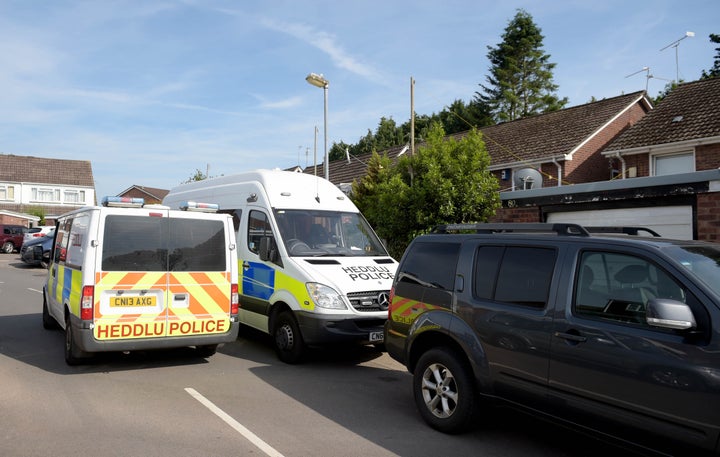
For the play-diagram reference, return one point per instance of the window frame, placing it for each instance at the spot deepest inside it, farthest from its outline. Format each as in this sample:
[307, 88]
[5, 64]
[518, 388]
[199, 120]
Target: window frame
[654, 158]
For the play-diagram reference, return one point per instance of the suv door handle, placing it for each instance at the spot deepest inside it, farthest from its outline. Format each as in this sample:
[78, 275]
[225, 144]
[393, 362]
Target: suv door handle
[571, 337]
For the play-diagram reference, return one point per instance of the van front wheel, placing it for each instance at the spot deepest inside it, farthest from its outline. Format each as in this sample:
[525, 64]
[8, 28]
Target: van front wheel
[288, 340]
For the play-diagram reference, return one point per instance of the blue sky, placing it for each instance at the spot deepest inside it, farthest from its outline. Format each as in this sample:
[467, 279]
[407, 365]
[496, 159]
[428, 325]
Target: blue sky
[151, 90]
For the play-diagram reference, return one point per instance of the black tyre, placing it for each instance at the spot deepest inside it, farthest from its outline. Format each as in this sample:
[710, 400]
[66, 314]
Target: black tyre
[444, 391]
[8, 247]
[45, 261]
[206, 350]
[47, 320]
[289, 344]
[73, 354]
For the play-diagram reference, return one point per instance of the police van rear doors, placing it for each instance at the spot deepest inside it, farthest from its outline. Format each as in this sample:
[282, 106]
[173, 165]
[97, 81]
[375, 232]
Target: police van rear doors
[161, 273]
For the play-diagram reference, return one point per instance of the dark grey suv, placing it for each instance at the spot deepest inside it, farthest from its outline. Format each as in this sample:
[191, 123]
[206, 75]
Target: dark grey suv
[613, 333]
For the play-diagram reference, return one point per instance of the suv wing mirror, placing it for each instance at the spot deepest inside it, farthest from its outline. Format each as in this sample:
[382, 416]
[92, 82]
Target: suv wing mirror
[667, 313]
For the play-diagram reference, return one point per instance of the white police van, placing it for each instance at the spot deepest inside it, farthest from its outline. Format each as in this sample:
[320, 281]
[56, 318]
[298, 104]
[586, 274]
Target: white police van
[128, 276]
[312, 270]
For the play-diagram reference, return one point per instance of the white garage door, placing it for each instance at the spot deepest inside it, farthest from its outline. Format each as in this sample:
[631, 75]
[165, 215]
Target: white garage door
[668, 221]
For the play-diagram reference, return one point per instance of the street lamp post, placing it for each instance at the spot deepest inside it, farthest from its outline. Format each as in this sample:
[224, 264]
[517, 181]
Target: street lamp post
[320, 81]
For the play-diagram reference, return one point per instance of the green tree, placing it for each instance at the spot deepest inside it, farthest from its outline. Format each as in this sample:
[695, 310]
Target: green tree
[669, 87]
[337, 151]
[715, 70]
[38, 211]
[197, 176]
[520, 83]
[445, 181]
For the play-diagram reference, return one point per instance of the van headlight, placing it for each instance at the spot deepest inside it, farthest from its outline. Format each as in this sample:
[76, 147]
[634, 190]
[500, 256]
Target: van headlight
[324, 296]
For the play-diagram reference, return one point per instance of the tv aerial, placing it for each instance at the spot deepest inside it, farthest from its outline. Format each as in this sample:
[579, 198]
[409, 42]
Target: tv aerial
[648, 76]
[675, 45]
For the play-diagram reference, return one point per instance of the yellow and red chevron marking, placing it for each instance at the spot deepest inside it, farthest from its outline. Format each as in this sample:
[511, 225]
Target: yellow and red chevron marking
[130, 324]
[406, 310]
[208, 306]
[203, 306]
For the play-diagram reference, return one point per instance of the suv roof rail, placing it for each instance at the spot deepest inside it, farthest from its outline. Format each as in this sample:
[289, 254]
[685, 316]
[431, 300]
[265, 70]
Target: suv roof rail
[620, 229]
[566, 229]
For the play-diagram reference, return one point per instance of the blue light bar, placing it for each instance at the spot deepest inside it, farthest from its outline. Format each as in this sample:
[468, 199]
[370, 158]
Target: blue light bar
[123, 202]
[201, 207]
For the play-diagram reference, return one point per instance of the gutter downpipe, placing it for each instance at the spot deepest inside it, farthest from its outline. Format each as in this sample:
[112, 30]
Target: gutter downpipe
[622, 161]
[559, 171]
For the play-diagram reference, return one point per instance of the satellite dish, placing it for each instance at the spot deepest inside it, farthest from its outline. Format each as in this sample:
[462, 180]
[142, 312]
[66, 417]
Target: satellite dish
[527, 178]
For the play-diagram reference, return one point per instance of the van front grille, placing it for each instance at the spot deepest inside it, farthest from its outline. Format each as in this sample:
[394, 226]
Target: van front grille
[376, 300]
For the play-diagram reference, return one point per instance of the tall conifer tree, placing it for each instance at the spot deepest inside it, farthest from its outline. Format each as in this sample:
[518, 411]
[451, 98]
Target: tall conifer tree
[520, 83]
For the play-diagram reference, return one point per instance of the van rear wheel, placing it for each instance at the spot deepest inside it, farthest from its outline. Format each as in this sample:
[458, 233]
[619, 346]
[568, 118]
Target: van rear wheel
[289, 344]
[8, 247]
[73, 354]
[206, 350]
[47, 320]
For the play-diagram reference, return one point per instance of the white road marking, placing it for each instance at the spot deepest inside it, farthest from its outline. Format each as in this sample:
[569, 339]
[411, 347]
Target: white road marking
[35, 290]
[250, 436]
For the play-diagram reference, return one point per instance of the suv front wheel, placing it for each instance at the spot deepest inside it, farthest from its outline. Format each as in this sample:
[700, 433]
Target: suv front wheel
[444, 391]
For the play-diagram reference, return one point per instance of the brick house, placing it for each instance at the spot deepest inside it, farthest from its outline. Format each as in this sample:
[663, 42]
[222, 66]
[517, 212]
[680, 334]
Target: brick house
[665, 168]
[150, 194]
[54, 186]
[563, 146]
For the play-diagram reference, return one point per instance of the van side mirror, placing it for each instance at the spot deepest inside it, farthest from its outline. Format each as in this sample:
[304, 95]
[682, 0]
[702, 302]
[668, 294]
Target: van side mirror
[268, 250]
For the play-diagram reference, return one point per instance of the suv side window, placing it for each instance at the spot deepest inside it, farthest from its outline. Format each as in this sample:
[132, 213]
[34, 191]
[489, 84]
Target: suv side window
[514, 274]
[431, 265]
[618, 286]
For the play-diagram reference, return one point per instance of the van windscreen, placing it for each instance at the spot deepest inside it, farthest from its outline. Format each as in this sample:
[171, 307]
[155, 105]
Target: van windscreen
[141, 243]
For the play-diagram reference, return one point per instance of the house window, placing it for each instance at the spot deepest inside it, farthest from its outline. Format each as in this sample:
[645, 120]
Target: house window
[7, 192]
[45, 194]
[670, 164]
[74, 196]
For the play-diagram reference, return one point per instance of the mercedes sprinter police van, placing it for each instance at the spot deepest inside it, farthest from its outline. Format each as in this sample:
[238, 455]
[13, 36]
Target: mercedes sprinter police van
[127, 276]
[312, 270]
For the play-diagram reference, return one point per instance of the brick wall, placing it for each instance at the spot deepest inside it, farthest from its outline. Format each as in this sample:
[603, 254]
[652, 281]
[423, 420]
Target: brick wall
[707, 157]
[505, 215]
[588, 165]
[708, 216]
[12, 220]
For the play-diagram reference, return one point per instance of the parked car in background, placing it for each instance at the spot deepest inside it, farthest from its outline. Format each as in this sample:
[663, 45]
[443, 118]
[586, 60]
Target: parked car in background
[11, 237]
[36, 251]
[613, 333]
[37, 232]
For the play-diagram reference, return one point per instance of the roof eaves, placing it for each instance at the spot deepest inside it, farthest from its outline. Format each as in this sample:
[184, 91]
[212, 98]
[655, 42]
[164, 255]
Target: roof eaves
[662, 147]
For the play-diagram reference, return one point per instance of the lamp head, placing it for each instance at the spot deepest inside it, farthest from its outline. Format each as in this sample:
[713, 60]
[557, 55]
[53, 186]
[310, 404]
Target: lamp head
[317, 80]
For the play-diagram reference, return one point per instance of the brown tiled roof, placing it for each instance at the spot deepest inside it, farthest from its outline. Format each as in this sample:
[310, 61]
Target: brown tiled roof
[154, 192]
[552, 135]
[343, 172]
[533, 139]
[690, 112]
[41, 170]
